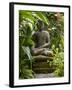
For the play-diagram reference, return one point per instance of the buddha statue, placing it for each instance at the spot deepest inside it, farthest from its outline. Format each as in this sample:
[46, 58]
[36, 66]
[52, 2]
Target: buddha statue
[41, 39]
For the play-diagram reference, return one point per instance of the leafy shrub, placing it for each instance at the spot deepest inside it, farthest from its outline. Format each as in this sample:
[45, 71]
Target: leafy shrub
[58, 61]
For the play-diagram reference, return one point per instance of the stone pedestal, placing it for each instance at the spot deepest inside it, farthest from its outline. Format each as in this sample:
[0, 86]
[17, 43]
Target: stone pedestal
[41, 64]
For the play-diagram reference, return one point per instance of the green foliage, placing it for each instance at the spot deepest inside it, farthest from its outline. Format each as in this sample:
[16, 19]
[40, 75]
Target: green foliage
[25, 64]
[27, 52]
[56, 28]
[28, 24]
[58, 61]
[41, 16]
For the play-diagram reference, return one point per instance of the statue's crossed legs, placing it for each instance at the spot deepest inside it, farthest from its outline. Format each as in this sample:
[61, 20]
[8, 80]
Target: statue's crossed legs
[42, 51]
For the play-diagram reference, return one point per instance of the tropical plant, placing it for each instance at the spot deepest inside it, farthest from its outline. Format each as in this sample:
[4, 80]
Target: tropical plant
[58, 61]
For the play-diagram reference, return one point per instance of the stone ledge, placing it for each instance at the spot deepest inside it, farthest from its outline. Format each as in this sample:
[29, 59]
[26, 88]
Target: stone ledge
[42, 57]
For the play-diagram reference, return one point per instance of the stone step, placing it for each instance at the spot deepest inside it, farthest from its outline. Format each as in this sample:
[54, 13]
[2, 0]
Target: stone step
[41, 65]
[43, 70]
[44, 75]
[40, 58]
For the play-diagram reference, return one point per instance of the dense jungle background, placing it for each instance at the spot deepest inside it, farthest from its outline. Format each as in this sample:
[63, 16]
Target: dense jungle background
[28, 24]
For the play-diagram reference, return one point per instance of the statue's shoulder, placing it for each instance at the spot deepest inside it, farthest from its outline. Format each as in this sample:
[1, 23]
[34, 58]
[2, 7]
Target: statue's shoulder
[35, 34]
[46, 32]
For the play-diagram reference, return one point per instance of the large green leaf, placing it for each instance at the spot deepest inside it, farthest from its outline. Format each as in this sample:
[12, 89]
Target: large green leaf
[26, 74]
[27, 51]
[41, 16]
[26, 15]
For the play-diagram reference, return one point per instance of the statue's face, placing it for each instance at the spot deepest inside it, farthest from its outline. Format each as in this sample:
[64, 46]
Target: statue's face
[40, 25]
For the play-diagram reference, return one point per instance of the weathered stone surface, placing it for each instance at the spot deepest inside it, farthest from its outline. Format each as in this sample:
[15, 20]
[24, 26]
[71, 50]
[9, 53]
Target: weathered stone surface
[40, 65]
[44, 70]
[49, 75]
[42, 57]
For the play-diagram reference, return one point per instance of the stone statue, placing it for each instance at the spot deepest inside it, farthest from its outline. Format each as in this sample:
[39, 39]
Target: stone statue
[42, 43]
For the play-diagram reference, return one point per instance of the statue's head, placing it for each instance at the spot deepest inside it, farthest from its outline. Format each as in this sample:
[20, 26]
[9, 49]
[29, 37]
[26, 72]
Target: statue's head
[40, 25]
